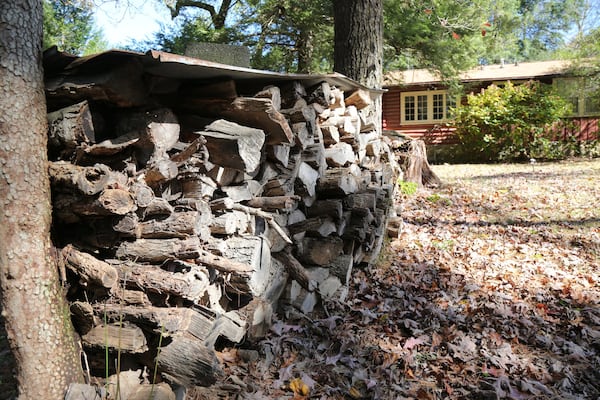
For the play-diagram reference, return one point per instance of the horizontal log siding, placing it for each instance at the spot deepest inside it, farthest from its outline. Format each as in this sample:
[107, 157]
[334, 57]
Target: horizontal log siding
[430, 133]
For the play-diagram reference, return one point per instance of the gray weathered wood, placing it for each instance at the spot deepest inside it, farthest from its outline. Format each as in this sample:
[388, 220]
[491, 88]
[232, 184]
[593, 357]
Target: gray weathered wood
[234, 146]
[122, 337]
[70, 126]
[85, 180]
[88, 268]
[159, 250]
[190, 283]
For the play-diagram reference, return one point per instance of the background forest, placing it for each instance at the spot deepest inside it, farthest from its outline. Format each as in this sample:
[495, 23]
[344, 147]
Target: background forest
[292, 36]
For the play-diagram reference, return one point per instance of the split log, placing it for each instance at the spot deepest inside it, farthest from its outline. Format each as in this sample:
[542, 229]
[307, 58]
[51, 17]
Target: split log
[85, 180]
[88, 268]
[272, 93]
[259, 312]
[321, 94]
[306, 181]
[70, 127]
[361, 200]
[360, 99]
[158, 132]
[69, 207]
[159, 250]
[112, 146]
[167, 322]
[157, 207]
[273, 203]
[254, 252]
[327, 207]
[190, 283]
[176, 225]
[197, 186]
[341, 267]
[116, 337]
[248, 111]
[160, 172]
[303, 134]
[340, 155]
[279, 153]
[337, 182]
[231, 222]
[322, 226]
[234, 146]
[189, 362]
[320, 251]
[245, 191]
[331, 134]
[295, 269]
[314, 155]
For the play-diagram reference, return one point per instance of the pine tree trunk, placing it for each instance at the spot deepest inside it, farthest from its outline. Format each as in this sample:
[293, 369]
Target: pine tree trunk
[358, 51]
[36, 315]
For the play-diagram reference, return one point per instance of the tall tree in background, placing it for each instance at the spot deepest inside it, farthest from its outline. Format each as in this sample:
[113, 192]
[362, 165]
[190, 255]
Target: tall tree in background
[447, 36]
[358, 43]
[36, 315]
[298, 36]
[69, 25]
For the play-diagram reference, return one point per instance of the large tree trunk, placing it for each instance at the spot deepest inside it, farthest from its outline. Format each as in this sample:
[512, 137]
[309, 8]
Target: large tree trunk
[358, 51]
[36, 315]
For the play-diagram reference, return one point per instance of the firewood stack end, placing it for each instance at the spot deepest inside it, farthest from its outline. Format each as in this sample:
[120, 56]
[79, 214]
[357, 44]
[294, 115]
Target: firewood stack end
[187, 214]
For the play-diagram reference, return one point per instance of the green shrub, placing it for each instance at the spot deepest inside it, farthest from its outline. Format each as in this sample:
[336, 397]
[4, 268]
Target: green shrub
[407, 188]
[513, 122]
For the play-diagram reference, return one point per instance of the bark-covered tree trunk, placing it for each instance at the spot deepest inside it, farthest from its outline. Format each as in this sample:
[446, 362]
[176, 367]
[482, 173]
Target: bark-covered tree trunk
[36, 315]
[358, 51]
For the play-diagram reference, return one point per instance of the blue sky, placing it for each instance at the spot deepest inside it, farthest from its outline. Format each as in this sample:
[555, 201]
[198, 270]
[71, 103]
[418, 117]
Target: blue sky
[125, 20]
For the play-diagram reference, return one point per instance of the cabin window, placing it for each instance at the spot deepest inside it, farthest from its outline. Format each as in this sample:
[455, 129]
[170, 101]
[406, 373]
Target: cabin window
[582, 93]
[427, 107]
[409, 108]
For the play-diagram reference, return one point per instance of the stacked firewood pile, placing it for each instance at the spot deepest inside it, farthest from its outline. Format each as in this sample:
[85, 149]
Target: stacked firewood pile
[187, 216]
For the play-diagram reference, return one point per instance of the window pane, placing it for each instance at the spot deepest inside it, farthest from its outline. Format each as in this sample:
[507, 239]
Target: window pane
[450, 105]
[422, 107]
[438, 106]
[409, 108]
[591, 105]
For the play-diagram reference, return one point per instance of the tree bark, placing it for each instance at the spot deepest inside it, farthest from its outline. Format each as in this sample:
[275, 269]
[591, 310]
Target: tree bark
[37, 317]
[358, 51]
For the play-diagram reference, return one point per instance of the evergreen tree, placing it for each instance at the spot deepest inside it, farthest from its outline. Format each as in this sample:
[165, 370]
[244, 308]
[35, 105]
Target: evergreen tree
[68, 24]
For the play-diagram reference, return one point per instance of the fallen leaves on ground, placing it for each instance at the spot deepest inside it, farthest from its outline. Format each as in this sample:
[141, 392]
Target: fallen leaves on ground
[492, 291]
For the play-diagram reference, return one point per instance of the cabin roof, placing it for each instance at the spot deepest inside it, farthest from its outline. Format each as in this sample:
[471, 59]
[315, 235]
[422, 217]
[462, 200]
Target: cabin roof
[494, 72]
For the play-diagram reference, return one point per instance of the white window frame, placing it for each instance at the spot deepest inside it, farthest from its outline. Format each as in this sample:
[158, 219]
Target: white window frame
[577, 95]
[429, 120]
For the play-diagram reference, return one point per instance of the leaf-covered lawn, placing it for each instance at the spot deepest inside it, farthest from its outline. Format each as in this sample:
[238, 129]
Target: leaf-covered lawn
[492, 291]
